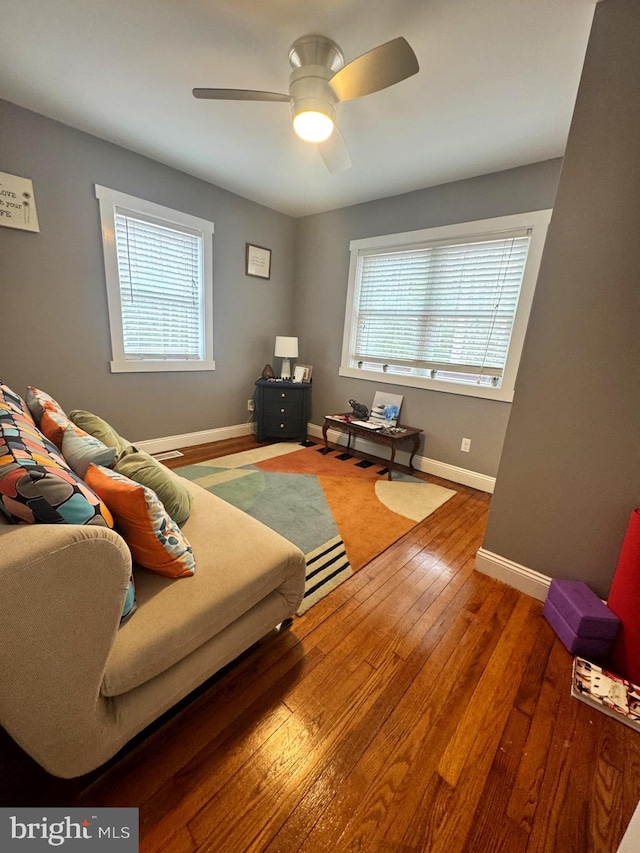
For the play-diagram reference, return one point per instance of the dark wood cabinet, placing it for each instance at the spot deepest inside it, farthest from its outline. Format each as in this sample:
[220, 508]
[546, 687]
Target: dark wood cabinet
[282, 409]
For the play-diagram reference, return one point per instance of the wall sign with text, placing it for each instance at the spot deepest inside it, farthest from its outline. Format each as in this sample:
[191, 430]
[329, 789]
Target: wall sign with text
[17, 203]
[257, 261]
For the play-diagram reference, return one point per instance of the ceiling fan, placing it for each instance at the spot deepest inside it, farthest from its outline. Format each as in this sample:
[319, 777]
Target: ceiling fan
[320, 80]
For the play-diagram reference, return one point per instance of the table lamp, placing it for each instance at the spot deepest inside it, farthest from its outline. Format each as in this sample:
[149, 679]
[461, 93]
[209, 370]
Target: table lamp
[286, 348]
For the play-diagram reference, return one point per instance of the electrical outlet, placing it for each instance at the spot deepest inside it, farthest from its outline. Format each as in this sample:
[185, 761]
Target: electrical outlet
[250, 405]
[466, 445]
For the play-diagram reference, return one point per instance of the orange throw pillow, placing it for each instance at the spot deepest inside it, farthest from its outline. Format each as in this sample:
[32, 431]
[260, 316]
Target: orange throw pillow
[154, 539]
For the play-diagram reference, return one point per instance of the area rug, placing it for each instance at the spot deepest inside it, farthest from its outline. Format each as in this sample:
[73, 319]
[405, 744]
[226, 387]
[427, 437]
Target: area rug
[341, 511]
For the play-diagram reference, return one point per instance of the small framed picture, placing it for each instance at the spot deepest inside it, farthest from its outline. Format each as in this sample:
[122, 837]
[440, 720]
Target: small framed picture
[258, 261]
[306, 374]
[298, 373]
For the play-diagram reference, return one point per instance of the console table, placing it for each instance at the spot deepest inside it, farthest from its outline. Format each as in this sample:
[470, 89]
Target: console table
[392, 440]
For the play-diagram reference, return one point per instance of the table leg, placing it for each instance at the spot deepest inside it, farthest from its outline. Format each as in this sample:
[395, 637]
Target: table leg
[416, 442]
[393, 456]
[325, 428]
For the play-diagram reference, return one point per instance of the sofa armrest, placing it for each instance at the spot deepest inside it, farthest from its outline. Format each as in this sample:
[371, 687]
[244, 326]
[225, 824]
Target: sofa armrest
[62, 589]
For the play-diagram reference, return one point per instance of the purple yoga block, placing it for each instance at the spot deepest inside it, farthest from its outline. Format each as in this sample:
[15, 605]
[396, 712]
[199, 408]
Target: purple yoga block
[585, 614]
[591, 648]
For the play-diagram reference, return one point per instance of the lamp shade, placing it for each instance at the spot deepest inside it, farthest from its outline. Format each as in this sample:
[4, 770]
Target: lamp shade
[286, 347]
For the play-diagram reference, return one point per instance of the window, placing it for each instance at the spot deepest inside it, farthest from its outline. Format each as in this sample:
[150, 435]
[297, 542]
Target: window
[444, 308]
[158, 265]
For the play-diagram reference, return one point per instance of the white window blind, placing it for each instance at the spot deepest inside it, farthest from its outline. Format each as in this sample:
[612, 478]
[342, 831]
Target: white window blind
[446, 307]
[160, 270]
[158, 266]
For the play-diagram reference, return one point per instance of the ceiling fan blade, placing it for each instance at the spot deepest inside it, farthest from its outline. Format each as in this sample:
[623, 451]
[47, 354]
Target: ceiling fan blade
[239, 95]
[335, 153]
[380, 67]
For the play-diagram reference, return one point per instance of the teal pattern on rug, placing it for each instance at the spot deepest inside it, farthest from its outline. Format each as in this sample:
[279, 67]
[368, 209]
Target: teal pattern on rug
[277, 500]
[294, 506]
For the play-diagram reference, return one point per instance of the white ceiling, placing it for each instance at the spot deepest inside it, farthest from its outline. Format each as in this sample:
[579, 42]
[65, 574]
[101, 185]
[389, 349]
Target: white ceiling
[496, 87]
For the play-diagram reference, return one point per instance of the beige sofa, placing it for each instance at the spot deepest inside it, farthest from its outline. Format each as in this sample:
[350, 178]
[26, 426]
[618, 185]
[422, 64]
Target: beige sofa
[75, 686]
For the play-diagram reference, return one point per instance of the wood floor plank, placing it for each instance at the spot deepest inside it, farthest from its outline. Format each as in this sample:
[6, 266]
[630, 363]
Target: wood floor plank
[526, 789]
[437, 647]
[434, 809]
[273, 782]
[631, 772]
[180, 842]
[456, 590]
[418, 725]
[529, 690]
[490, 831]
[172, 806]
[339, 767]
[604, 818]
[470, 773]
[556, 771]
[574, 801]
[483, 700]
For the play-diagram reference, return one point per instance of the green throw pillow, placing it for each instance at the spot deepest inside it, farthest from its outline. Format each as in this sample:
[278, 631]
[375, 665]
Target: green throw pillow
[98, 428]
[147, 471]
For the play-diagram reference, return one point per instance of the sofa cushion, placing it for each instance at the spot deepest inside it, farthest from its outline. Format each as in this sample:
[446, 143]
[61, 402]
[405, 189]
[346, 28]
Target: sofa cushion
[240, 562]
[81, 449]
[53, 425]
[48, 414]
[38, 401]
[144, 469]
[12, 402]
[155, 540]
[99, 428]
[36, 484]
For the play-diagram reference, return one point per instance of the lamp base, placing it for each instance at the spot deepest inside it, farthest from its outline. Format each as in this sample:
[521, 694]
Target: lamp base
[286, 369]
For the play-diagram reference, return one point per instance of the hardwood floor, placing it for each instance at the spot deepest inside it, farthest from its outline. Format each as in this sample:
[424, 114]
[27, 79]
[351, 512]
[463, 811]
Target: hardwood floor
[421, 706]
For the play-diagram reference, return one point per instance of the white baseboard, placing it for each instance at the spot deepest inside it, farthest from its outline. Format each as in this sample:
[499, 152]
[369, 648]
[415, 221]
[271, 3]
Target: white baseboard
[191, 439]
[422, 463]
[429, 466]
[526, 580]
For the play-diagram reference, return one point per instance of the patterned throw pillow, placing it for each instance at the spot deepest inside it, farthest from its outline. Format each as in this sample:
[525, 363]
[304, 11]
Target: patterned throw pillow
[36, 484]
[10, 402]
[38, 401]
[154, 539]
[48, 415]
[53, 425]
[80, 449]
[130, 604]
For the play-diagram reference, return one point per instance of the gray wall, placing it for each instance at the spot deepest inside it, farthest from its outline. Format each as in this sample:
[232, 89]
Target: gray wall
[570, 471]
[321, 274]
[55, 331]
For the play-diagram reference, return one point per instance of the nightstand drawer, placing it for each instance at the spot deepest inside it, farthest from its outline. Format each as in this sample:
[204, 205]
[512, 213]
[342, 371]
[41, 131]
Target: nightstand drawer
[274, 426]
[283, 396]
[283, 409]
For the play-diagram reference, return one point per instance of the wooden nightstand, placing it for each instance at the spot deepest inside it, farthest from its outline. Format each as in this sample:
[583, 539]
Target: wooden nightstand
[283, 409]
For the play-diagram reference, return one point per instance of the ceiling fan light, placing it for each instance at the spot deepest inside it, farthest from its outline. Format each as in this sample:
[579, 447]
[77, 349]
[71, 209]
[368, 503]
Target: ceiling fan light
[313, 126]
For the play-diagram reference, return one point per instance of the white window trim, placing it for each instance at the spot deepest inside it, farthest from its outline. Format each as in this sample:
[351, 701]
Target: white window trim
[110, 199]
[537, 221]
